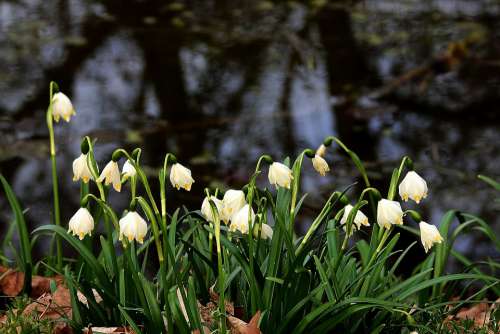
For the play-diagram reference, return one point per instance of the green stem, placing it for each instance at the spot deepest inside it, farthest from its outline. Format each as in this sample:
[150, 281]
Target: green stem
[55, 187]
[297, 166]
[359, 165]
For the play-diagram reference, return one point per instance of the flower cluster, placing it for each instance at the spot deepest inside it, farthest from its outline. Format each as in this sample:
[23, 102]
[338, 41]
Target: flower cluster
[233, 208]
[390, 213]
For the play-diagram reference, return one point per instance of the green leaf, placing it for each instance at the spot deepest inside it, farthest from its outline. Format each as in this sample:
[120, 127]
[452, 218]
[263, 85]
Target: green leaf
[26, 264]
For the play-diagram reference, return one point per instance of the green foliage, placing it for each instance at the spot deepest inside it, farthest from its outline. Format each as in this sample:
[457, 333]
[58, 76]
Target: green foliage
[329, 280]
[17, 322]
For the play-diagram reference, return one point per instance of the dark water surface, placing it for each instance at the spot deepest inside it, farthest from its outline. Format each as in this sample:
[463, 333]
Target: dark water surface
[221, 82]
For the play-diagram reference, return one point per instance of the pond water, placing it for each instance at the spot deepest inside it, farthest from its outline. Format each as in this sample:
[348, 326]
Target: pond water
[220, 83]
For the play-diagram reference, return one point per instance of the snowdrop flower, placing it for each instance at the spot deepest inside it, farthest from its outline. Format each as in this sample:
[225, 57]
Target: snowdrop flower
[232, 202]
[413, 186]
[359, 219]
[280, 175]
[389, 213]
[206, 208]
[266, 233]
[320, 165]
[81, 223]
[111, 174]
[62, 107]
[240, 220]
[132, 226]
[180, 177]
[429, 235]
[81, 169]
[128, 170]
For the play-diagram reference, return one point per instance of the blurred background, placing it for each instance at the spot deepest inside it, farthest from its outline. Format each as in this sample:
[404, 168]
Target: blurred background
[220, 83]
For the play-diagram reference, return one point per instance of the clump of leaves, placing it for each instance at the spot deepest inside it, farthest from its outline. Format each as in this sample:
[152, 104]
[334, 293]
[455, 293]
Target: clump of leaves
[16, 321]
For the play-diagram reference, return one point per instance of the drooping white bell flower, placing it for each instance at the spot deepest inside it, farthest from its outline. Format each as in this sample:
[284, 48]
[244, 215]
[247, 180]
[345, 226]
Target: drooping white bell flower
[240, 221]
[132, 226]
[232, 202]
[280, 175]
[429, 235]
[389, 213]
[413, 186]
[81, 224]
[128, 170]
[359, 220]
[111, 175]
[180, 177]
[320, 165]
[206, 208]
[62, 107]
[266, 233]
[81, 169]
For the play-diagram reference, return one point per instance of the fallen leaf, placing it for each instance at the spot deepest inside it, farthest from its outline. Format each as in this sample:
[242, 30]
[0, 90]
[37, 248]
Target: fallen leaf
[12, 281]
[238, 326]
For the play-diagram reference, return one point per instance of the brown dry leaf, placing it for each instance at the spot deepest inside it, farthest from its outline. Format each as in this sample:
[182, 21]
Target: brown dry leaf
[50, 306]
[12, 281]
[41, 285]
[479, 313]
[238, 326]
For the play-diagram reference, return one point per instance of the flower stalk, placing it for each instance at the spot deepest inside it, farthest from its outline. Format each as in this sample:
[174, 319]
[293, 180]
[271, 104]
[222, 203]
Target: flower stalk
[55, 186]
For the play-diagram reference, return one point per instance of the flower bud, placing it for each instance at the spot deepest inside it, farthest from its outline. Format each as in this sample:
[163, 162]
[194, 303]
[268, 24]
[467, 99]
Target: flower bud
[232, 202]
[413, 186]
[132, 226]
[81, 169]
[359, 219]
[429, 235]
[206, 208]
[62, 107]
[265, 233]
[321, 151]
[240, 220]
[389, 213]
[81, 224]
[111, 174]
[280, 175]
[180, 177]
[320, 165]
[128, 170]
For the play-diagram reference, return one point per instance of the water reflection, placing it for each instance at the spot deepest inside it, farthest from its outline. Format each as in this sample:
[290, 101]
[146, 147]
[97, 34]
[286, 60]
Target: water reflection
[220, 83]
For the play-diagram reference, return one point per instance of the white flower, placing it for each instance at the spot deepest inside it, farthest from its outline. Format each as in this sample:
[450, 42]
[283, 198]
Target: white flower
[266, 233]
[320, 165]
[81, 169]
[413, 186]
[232, 202]
[321, 151]
[206, 208]
[111, 174]
[128, 170]
[359, 219]
[62, 107]
[280, 175]
[389, 213]
[180, 177]
[429, 235]
[240, 219]
[132, 226]
[81, 223]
